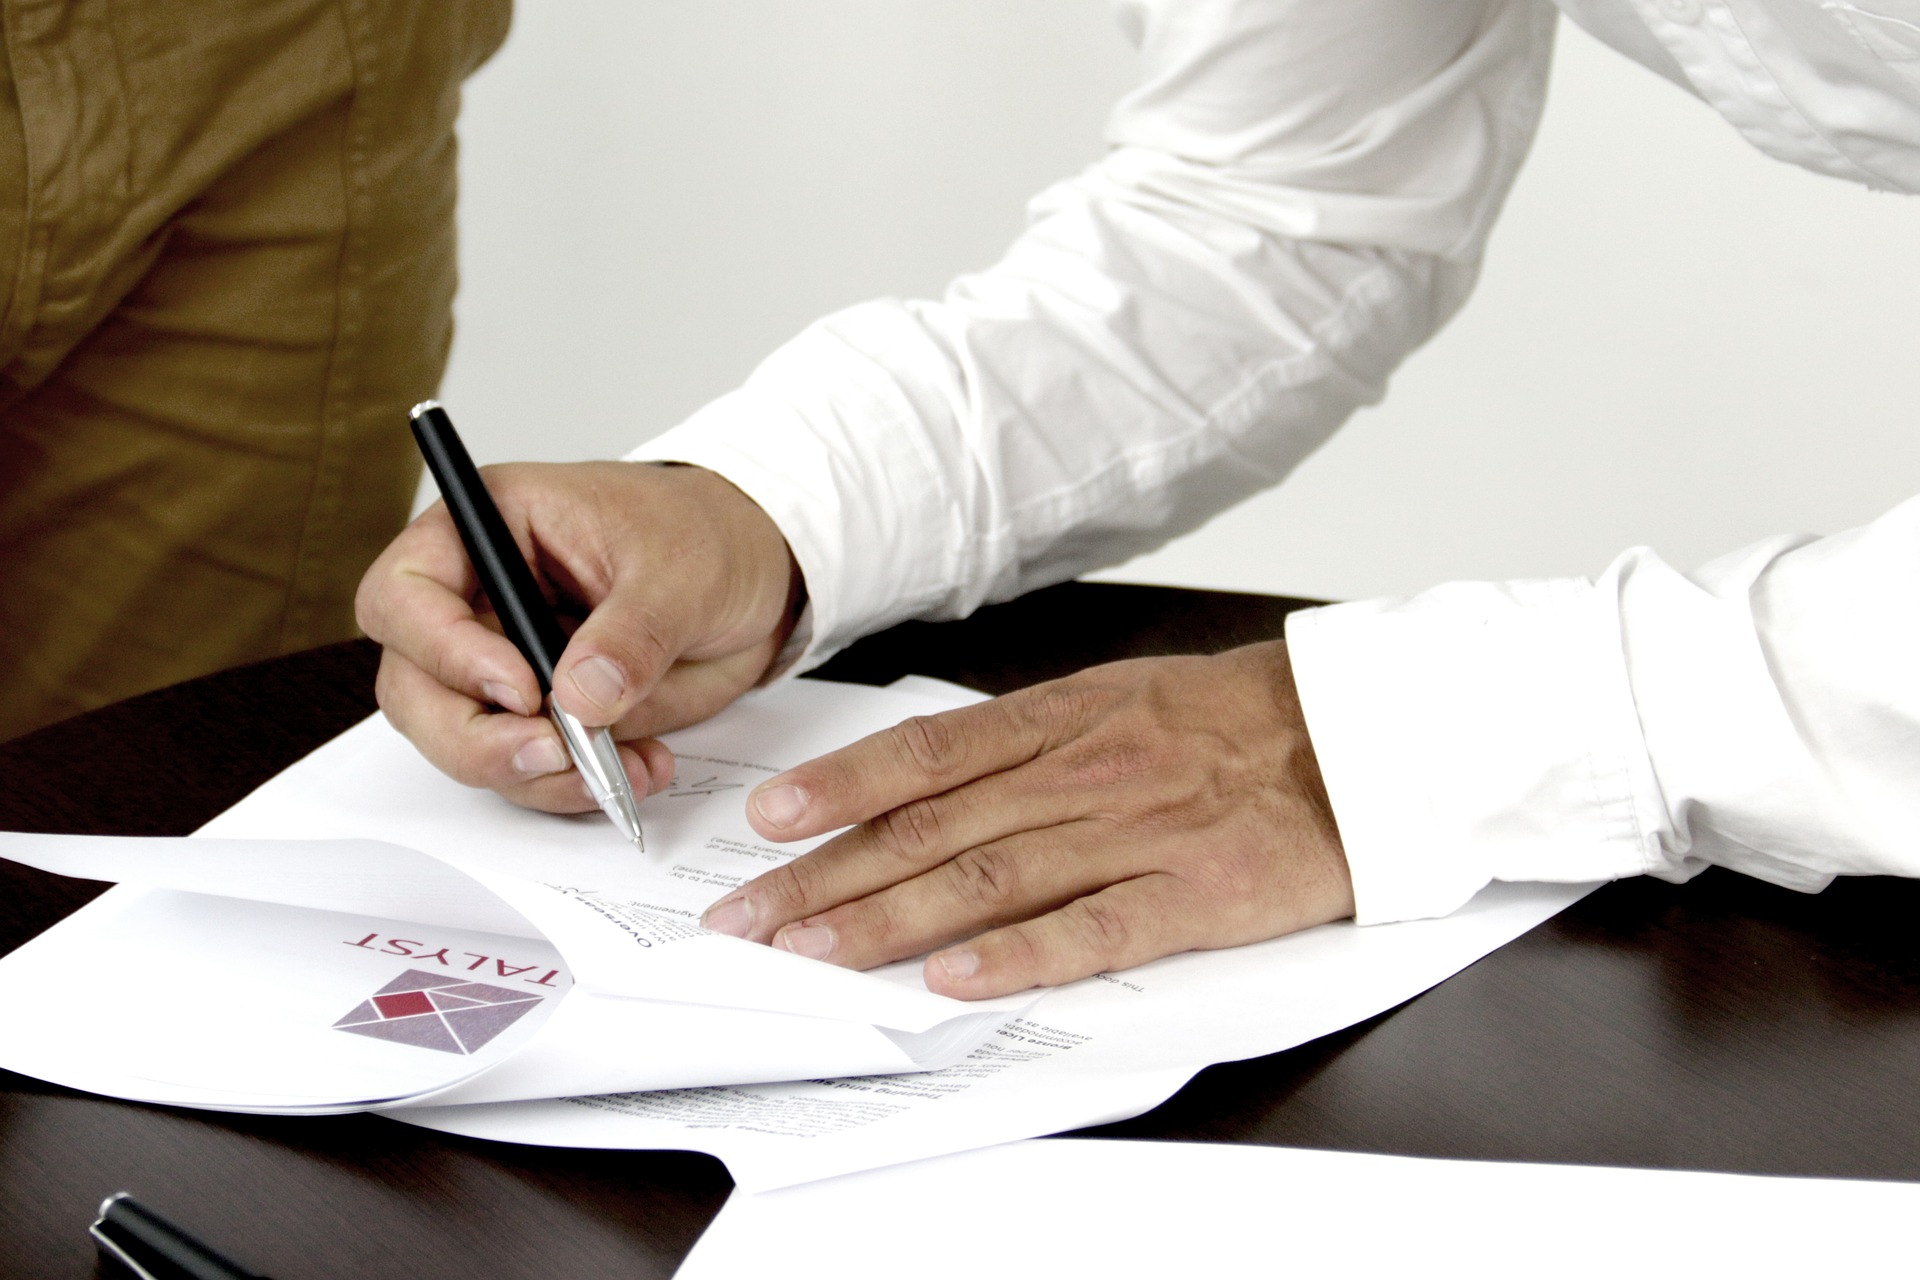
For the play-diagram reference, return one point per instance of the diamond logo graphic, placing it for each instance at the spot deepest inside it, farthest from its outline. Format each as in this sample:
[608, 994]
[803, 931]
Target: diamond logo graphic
[437, 1011]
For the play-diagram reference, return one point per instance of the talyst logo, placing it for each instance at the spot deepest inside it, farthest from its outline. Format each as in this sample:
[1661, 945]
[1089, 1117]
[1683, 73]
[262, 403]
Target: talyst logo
[437, 1011]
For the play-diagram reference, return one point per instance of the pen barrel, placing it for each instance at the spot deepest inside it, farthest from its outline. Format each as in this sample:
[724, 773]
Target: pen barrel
[496, 557]
[143, 1239]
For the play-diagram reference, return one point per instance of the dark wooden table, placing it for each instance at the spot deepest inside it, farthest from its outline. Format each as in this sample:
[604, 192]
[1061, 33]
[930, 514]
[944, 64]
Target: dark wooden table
[1718, 1025]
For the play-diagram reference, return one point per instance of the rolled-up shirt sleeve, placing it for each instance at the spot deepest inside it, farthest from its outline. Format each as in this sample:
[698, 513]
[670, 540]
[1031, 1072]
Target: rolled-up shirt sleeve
[1295, 197]
[1761, 713]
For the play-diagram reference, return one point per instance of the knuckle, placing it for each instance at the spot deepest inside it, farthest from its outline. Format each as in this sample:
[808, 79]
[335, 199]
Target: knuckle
[928, 744]
[1120, 759]
[989, 877]
[1103, 929]
[651, 648]
[1060, 709]
[645, 641]
[791, 890]
[1222, 878]
[914, 832]
[460, 661]
[874, 927]
[634, 638]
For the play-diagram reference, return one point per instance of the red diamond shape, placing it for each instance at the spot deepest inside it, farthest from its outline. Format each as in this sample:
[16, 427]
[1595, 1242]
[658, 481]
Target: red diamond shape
[403, 1004]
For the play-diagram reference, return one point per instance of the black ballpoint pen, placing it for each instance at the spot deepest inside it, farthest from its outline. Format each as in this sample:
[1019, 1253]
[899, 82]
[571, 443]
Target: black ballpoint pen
[522, 610]
[152, 1248]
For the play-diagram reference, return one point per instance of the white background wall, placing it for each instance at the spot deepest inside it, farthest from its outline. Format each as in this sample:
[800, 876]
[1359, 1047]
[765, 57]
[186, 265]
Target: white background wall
[1677, 341]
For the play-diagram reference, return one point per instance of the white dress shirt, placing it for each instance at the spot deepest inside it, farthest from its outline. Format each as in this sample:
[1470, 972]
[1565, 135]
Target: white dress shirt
[1297, 195]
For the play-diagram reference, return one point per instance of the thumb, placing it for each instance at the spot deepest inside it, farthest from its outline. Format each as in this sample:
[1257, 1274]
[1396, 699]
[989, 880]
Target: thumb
[622, 650]
[706, 581]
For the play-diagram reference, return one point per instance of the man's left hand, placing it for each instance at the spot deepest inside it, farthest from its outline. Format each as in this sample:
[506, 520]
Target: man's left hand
[1127, 812]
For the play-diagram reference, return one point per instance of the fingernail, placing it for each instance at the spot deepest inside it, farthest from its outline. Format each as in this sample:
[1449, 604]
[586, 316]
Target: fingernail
[958, 965]
[731, 916]
[504, 696]
[814, 941]
[781, 806]
[540, 756]
[599, 681]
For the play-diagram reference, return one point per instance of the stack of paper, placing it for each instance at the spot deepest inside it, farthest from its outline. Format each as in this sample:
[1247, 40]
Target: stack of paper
[363, 933]
[489, 954]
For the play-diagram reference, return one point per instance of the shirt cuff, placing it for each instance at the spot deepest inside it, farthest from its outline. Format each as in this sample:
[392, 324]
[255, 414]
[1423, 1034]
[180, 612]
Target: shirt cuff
[1477, 732]
[764, 448]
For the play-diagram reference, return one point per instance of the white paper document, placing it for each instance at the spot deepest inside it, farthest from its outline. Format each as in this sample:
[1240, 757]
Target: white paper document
[363, 933]
[1097, 1050]
[426, 941]
[1123, 1209]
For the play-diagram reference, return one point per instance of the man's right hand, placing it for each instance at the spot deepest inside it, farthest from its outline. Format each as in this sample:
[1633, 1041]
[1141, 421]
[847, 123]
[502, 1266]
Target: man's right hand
[686, 589]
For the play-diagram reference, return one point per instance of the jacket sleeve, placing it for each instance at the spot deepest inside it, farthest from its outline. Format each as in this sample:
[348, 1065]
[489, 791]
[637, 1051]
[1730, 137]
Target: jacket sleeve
[1762, 713]
[1294, 198]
